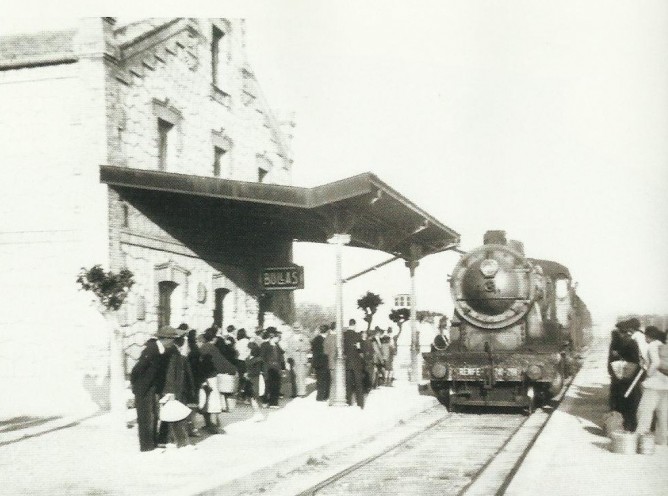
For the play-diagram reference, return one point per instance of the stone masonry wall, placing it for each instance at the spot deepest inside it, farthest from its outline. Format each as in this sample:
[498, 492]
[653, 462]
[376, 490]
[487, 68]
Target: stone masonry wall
[171, 78]
[176, 75]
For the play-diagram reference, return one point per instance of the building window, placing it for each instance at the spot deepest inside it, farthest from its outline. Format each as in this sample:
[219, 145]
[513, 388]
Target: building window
[165, 143]
[165, 288]
[261, 174]
[219, 156]
[218, 307]
[216, 51]
[402, 301]
[126, 215]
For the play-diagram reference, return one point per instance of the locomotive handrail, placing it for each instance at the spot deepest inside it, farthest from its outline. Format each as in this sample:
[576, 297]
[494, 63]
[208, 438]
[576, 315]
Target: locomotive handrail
[521, 298]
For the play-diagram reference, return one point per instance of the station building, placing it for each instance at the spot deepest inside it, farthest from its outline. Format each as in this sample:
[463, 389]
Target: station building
[148, 145]
[176, 96]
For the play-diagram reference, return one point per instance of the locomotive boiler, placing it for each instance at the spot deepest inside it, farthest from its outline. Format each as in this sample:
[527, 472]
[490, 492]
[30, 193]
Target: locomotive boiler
[516, 333]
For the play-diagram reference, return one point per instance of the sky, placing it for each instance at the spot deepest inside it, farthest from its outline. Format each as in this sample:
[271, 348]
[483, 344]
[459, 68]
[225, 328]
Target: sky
[546, 119]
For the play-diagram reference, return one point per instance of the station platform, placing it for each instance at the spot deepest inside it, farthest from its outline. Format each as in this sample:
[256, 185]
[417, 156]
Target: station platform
[573, 456]
[96, 456]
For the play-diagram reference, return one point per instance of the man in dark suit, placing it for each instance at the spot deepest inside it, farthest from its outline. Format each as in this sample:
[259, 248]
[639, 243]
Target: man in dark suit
[148, 380]
[320, 364]
[354, 367]
[274, 360]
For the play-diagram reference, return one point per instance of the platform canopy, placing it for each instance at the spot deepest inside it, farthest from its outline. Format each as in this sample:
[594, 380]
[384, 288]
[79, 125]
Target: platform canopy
[371, 212]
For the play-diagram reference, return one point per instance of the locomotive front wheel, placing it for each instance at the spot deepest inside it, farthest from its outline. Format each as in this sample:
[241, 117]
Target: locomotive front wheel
[532, 396]
[529, 409]
[442, 395]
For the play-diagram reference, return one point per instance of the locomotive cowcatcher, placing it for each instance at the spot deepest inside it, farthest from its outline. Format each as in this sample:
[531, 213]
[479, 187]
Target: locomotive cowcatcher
[517, 331]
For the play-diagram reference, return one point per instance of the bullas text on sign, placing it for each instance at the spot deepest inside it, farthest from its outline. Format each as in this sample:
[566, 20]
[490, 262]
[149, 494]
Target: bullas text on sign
[274, 278]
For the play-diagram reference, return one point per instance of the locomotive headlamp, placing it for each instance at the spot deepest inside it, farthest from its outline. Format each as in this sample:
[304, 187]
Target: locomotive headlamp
[489, 267]
[439, 371]
[534, 372]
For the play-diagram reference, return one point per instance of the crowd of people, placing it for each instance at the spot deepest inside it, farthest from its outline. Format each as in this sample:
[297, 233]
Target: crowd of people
[638, 369]
[368, 358]
[181, 373]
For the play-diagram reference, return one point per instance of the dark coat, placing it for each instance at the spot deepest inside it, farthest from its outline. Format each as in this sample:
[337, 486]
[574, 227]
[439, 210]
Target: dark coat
[254, 366]
[622, 347]
[351, 350]
[319, 359]
[226, 347]
[179, 379]
[212, 362]
[149, 371]
[273, 356]
[194, 361]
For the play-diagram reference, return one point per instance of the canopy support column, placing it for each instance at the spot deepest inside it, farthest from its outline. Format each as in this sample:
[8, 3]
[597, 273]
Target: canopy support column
[338, 396]
[412, 264]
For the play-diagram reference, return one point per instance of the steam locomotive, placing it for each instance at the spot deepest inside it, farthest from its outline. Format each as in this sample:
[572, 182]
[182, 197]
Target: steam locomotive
[517, 332]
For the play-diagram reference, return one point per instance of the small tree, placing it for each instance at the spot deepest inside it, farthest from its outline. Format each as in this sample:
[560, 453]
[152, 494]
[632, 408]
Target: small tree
[399, 316]
[427, 315]
[111, 290]
[313, 315]
[369, 303]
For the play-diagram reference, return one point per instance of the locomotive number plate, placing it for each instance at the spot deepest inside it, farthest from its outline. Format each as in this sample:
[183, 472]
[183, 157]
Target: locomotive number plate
[499, 372]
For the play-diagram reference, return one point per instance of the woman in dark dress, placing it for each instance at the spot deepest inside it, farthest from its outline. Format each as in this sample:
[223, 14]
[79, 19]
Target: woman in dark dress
[255, 371]
[623, 347]
[180, 385]
[213, 363]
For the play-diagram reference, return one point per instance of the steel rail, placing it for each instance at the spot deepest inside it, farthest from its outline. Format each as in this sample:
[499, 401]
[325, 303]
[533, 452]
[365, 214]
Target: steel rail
[339, 475]
[466, 490]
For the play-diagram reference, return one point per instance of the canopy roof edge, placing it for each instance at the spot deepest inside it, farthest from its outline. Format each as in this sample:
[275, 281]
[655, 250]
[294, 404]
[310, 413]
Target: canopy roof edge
[376, 215]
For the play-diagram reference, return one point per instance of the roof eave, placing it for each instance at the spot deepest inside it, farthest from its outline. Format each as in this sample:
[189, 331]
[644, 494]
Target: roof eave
[30, 62]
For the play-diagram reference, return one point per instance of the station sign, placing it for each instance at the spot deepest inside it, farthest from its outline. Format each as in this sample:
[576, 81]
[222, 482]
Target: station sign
[285, 278]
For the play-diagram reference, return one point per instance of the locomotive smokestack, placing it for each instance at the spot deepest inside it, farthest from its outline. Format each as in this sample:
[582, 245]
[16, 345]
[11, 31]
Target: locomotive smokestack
[517, 246]
[494, 238]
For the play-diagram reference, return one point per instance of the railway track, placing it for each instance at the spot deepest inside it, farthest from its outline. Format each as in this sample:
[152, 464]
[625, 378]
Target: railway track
[466, 454]
[443, 459]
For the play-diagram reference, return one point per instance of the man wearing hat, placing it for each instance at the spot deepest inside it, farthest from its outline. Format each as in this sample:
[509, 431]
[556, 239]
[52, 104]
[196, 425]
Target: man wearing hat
[623, 364]
[274, 360]
[148, 379]
[320, 363]
[354, 361]
[639, 337]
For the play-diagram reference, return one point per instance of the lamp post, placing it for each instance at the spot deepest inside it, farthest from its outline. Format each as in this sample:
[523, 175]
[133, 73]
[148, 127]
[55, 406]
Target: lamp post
[338, 397]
